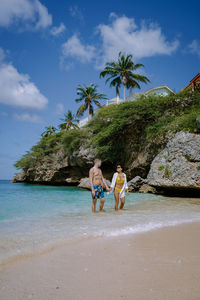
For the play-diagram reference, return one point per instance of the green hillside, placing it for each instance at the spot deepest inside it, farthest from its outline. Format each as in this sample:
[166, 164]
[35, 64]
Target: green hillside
[119, 131]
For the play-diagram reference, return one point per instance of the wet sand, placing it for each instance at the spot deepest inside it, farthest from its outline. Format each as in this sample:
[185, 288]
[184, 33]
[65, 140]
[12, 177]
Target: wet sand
[157, 265]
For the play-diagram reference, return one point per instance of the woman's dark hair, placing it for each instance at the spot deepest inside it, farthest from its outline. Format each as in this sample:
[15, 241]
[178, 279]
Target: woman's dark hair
[118, 166]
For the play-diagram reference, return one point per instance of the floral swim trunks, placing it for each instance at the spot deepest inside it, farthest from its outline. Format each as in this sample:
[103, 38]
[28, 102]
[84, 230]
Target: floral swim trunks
[98, 191]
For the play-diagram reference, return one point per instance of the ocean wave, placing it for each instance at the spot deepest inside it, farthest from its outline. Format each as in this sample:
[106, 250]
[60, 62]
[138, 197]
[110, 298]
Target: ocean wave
[144, 227]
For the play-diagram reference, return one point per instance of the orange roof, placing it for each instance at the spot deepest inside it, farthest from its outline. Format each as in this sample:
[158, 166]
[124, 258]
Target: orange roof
[197, 77]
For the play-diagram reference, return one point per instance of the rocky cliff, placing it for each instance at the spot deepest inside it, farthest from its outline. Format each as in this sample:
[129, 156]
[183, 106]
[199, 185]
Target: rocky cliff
[59, 168]
[131, 134]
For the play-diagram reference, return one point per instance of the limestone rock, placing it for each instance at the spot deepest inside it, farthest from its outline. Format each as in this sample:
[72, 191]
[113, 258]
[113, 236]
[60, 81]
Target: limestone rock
[135, 183]
[146, 188]
[59, 169]
[178, 165]
[85, 183]
[19, 177]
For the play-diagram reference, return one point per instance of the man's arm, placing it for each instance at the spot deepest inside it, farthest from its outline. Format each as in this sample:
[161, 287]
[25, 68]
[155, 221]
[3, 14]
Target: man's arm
[104, 182]
[91, 179]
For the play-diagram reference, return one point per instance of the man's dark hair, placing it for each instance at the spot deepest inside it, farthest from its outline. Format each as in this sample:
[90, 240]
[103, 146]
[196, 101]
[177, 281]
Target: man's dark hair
[96, 160]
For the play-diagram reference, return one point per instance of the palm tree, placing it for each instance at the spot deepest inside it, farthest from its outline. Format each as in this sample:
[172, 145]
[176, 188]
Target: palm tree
[122, 72]
[69, 121]
[90, 96]
[48, 131]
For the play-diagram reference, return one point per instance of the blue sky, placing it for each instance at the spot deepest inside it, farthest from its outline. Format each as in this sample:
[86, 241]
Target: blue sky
[49, 47]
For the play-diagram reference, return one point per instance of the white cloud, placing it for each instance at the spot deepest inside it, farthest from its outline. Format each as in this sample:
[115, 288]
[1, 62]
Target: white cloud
[44, 18]
[123, 34]
[57, 30]
[75, 12]
[17, 89]
[60, 109]
[26, 117]
[194, 47]
[74, 48]
[32, 12]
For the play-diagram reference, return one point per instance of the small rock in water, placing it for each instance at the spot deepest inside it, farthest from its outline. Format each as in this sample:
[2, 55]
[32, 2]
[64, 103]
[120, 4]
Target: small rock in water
[135, 183]
[145, 188]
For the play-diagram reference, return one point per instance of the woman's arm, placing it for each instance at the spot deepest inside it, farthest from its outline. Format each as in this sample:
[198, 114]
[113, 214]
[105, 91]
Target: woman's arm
[113, 181]
[126, 184]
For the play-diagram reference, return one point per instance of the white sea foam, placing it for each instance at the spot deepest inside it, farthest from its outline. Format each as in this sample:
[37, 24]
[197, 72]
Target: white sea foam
[140, 228]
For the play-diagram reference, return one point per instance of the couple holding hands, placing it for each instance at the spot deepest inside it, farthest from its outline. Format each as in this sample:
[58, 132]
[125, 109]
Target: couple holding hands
[118, 185]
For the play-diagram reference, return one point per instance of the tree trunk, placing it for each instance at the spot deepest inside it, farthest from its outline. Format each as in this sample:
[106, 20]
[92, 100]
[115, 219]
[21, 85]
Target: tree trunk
[124, 81]
[88, 114]
[124, 92]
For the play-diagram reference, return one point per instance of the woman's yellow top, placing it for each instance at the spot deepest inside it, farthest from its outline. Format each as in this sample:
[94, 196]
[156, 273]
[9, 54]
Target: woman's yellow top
[119, 180]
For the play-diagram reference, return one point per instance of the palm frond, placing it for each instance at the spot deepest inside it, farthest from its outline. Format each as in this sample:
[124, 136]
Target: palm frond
[97, 103]
[81, 109]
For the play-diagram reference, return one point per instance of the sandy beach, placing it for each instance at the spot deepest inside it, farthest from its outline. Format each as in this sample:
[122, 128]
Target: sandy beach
[161, 264]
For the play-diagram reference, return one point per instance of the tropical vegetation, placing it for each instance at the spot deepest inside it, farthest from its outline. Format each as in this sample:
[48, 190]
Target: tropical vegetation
[118, 130]
[69, 121]
[49, 131]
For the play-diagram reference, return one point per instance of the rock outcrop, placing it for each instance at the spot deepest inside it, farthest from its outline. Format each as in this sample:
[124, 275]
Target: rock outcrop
[59, 169]
[146, 188]
[135, 184]
[85, 183]
[177, 167]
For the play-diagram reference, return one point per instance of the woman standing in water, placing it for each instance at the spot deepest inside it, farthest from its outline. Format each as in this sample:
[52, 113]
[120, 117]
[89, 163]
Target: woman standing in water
[119, 185]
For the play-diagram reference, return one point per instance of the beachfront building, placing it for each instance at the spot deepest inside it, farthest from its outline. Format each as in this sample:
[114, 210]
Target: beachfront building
[194, 84]
[115, 100]
[83, 122]
[163, 91]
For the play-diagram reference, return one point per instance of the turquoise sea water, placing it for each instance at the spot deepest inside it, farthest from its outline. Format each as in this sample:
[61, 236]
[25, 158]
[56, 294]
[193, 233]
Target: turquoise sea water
[34, 217]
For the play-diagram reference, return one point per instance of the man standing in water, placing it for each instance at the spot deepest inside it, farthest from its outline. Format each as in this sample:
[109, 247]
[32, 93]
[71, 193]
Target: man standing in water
[96, 180]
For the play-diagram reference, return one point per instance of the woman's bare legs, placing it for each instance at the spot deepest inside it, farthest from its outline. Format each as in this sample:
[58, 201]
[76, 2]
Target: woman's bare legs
[122, 203]
[116, 194]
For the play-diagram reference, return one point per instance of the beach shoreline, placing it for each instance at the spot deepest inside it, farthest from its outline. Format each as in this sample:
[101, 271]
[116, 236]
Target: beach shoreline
[159, 264]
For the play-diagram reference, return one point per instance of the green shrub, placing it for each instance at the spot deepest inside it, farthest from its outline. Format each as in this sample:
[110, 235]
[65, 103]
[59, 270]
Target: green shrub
[161, 167]
[72, 139]
[167, 172]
